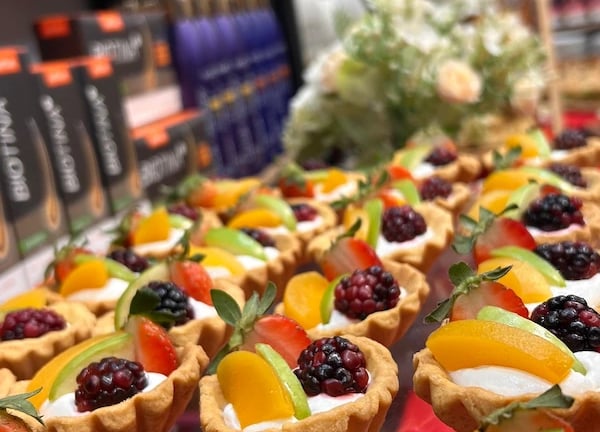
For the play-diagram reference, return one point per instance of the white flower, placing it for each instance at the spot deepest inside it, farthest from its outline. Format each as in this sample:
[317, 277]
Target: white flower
[457, 82]
[526, 94]
[330, 69]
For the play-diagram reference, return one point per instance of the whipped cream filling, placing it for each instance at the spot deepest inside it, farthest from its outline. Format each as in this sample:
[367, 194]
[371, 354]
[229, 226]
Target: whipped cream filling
[202, 310]
[65, 406]
[513, 382]
[536, 231]
[424, 169]
[162, 247]
[345, 190]
[112, 290]
[301, 227]
[558, 154]
[385, 248]
[589, 289]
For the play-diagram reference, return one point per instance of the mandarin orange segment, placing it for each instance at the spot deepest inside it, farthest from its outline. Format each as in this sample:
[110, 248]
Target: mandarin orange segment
[351, 215]
[35, 298]
[91, 274]
[495, 201]
[302, 298]
[230, 191]
[335, 178]
[528, 145]
[510, 179]
[153, 228]
[254, 218]
[524, 279]
[252, 387]
[473, 343]
[215, 257]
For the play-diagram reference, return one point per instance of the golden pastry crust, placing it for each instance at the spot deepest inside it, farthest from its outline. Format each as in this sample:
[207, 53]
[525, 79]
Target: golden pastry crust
[421, 256]
[590, 232]
[462, 408]
[24, 357]
[7, 380]
[156, 410]
[457, 200]
[592, 191]
[386, 327]
[367, 414]
[465, 168]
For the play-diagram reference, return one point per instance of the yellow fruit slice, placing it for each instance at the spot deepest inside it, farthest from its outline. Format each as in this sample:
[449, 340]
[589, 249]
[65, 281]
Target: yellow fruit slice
[255, 218]
[214, 257]
[35, 298]
[153, 228]
[495, 201]
[472, 343]
[524, 279]
[335, 178]
[252, 387]
[230, 191]
[45, 377]
[302, 298]
[528, 145]
[510, 179]
[91, 274]
[351, 215]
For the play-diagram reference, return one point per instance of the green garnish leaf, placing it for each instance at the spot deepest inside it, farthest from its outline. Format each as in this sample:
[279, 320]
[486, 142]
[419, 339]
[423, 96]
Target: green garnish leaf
[226, 307]
[145, 301]
[508, 159]
[20, 403]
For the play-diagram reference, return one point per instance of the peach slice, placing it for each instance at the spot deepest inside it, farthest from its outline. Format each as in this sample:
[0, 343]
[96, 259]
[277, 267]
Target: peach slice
[524, 279]
[302, 298]
[215, 257]
[529, 147]
[252, 387]
[229, 192]
[351, 215]
[335, 178]
[91, 274]
[35, 298]
[509, 179]
[153, 228]
[495, 201]
[254, 218]
[490, 343]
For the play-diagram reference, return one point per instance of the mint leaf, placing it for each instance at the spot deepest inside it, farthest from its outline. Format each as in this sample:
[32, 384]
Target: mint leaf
[226, 306]
[20, 403]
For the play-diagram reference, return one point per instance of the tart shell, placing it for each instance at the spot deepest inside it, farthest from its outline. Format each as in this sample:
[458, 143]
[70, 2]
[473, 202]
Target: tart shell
[465, 168]
[366, 414]
[457, 200]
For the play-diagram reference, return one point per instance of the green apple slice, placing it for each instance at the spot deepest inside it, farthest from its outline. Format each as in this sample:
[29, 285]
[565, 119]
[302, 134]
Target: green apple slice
[412, 157]
[493, 313]
[287, 378]
[234, 241]
[180, 222]
[522, 197]
[159, 272]
[279, 207]
[316, 175]
[374, 209]
[541, 143]
[548, 177]
[408, 190]
[121, 346]
[326, 306]
[552, 275]
[115, 269]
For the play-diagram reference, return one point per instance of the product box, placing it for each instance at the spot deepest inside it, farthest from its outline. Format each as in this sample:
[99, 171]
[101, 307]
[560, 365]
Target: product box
[105, 121]
[70, 145]
[137, 44]
[12, 275]
[167, 151]
[33, 204]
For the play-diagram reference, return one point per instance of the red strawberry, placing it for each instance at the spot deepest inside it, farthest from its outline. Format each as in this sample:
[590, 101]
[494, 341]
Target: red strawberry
[193, 279]
[398, 172]
[11, 423]
[64, 262]
[346, 255]
[19, 402]
[547, 189]
[390, 198]
[203, 195]
[294, 188]
[473, 291]
[153, 348]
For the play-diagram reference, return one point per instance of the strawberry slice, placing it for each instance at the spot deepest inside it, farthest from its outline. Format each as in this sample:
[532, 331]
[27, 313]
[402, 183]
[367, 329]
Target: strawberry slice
[295, 188]
[153, 347]
[473, 291]
[64, 262]
[390, 198]
[398, 172]
[193, 279]
[491, 232]
[346, 255]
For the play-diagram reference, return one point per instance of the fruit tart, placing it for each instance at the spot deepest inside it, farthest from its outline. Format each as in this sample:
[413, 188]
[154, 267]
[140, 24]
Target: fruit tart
[31, 335]
[376, 302]
[133, 380]
[260, 391]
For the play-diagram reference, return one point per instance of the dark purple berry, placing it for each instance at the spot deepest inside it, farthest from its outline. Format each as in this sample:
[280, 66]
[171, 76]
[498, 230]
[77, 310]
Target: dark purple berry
[173, 301]
[129, 259]
[570, 173]
[441, 155]
[260, 236]
[435, 187]
[108, 382]
[30, 323]
[304, 212]
[184, 210]
[365, 292]
[334, 366]
[553, 212]
[574, 260]
[401, 224]
[571, 320]
[570, 139]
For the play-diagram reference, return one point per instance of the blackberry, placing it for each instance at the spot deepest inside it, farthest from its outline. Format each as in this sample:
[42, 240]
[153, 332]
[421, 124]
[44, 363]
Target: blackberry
[574, 260]
[435, 187]
[184, 210]
[260, 236]
[30, 323]
[173, 301]
[108, 382]
[571, 320]
[334, 366]
[129, 259]
[304, 212]
[570, 173]
[441, 156]
[365, 292]
[401, 224]
[570, 139]
[553, 212]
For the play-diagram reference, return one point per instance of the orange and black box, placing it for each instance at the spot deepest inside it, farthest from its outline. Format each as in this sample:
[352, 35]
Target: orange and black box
[104, 118]
[28, 182]
[70, 146]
